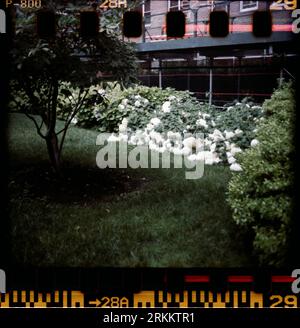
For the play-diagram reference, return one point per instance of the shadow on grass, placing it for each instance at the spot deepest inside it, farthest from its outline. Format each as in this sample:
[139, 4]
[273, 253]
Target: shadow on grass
[79, 184]
[115, 217]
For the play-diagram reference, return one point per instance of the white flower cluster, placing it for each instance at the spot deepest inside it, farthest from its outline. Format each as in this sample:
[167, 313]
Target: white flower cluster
[196, 149]
[214, 146]
[138, 102]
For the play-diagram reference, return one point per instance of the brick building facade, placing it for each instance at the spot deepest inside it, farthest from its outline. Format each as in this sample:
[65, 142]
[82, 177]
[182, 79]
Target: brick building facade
[197, 16]
[217, 70]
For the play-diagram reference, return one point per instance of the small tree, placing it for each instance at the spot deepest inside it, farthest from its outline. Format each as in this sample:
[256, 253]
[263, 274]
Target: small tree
[41, 65]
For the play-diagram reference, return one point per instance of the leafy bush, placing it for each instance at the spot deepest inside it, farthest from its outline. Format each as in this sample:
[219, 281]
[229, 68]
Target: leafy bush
[177, 122]
[226, 132]
[67, 102]
[261, 195]
[243, 116]
[139, 104]
[94, 99]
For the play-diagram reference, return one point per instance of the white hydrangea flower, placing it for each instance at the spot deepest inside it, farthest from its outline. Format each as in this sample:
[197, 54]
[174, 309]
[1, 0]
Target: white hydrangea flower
[177, 136]
[229, 134]
[231, 160]
[125, 121]
[213, 147]
[121, 107]
[139, 133]
[124, 101]
[217, 159]
[122, 128]
[189, 142]
[170, 135]
[149, 127]
[216, 135]
[207, 142]
[256, 107]
[236, 167]
[137, 97]
[152, 144]
[254, 143]
[137, 103]
[146, 101]
[201, 156]
[74, 120]
[101, 92]
[156, 136]
[213, 123]
[209, 158]
[172, 97]
[155, 121]
[186, 151]
[166, 107]
[202, 122]
[167, 143]
[133, 140]
[234, 150]
[238, 132]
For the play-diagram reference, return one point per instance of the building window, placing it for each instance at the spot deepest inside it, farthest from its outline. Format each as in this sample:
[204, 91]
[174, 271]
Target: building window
[147, 12]
[248, 5]
[174, 5]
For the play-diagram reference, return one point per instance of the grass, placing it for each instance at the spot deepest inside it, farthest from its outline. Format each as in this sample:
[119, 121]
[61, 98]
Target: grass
[116, 218]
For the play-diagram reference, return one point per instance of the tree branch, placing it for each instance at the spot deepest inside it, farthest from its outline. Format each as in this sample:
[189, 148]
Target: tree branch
[64, 130]
[38, 129]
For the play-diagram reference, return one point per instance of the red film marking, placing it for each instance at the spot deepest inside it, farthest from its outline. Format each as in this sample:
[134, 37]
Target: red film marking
[240, 279]
[282, 279]
[197, 279]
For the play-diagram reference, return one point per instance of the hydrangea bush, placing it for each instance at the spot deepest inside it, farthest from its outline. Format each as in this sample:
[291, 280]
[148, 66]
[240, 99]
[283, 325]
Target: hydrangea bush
[170, 120]
[164, 118]
[261, 195]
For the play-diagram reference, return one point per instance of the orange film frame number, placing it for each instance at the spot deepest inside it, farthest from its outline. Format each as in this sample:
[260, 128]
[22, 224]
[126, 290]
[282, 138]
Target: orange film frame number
[284, 4]
[111, 4]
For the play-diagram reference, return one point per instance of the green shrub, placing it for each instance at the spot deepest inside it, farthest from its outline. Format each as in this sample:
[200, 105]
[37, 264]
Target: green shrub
[261, 195]
[242, 115]
[139, 104]
[94, 100]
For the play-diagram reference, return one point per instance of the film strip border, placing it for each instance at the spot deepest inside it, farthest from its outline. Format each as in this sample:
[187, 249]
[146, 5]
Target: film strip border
[133, 20]
[241, 298]
[237, 291]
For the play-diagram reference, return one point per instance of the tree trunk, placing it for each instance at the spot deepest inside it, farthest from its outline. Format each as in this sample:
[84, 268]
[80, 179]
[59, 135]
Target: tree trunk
[53, 152]
[51, 136]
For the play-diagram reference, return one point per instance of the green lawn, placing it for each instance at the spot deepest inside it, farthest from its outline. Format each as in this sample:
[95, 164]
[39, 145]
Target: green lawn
[127, 218]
